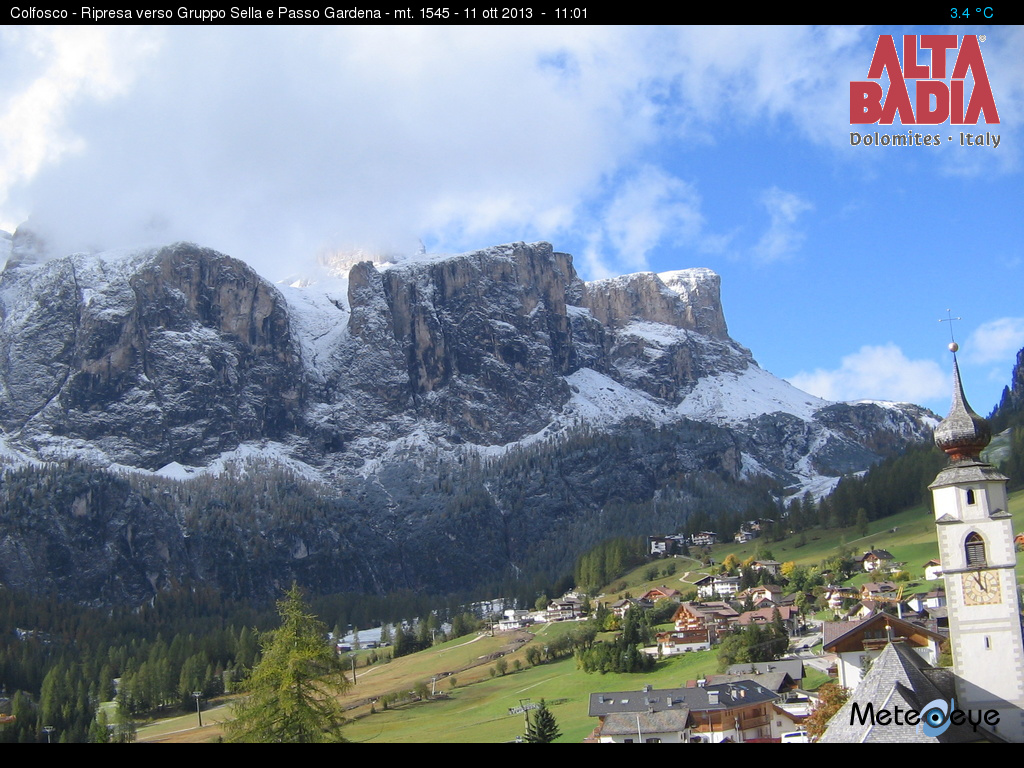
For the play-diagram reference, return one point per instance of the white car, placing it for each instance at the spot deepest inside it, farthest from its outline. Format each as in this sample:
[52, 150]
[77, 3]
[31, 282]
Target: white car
[795, 737]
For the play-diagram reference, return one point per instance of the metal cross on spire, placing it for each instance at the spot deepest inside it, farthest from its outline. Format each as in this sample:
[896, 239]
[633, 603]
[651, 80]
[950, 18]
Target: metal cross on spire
[953, 346]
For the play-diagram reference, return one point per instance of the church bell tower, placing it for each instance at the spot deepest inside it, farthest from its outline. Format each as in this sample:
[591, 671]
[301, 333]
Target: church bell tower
[978, 559]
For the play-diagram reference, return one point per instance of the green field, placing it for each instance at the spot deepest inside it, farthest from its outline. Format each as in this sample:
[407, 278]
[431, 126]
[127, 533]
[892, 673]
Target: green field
[480, 712]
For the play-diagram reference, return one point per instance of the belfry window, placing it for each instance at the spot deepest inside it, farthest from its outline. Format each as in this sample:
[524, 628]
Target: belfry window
[970, 496]
[974, 547]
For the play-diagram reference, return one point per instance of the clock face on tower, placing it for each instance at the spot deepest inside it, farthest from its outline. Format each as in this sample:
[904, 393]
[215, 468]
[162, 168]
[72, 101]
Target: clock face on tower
[981, 588]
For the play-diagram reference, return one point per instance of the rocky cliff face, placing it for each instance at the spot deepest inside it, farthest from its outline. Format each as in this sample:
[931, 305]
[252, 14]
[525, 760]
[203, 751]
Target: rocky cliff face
[479, 346]
[167, 355]
[378, 387]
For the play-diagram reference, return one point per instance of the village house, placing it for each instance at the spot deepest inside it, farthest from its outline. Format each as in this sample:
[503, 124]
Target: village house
[770, 566]
[875, 560]
[704, 539]
[776, 681]
[675, 642]
[660, 593]
[792, 667]
[514, 618]
[789, 615]
[738, 711]
[863, 609]
[665, 546]
[564, 609]
[619, 607]
[837, 595]
[743, 536]
[855, 643]
[720, 586]
[932, 570]
[698, 626]
[770, 594]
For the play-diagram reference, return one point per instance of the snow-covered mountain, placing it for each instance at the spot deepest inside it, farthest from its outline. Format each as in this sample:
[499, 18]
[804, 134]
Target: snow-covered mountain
[176, 355]
[179, 361]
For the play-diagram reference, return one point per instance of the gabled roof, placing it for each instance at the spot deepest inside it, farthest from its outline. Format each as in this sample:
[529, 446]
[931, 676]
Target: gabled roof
[777, 681]
[630, 723]
[763, 615]
[712, 610]
[835, 633]
[792, 667]
[880, 554]
[874, 587]
[666, 591]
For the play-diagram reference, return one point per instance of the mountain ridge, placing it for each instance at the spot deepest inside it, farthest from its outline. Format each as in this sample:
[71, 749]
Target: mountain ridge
[163, 361]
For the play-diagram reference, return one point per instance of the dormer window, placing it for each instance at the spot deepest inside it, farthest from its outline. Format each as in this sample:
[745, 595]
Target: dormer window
[974, 548]
[970, 496]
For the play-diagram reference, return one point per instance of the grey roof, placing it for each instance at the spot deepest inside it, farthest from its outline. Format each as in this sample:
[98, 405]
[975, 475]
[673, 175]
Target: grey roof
[730, 695]
[966, 472]
[773, 681]
[792, 667]
[666, 721]
[899, 677]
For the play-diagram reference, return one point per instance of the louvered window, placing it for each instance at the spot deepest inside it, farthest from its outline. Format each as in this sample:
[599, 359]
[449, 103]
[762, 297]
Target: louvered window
[975, 549]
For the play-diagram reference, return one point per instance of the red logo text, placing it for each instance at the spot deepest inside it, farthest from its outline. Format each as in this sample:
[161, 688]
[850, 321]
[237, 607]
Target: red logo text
[935, 99]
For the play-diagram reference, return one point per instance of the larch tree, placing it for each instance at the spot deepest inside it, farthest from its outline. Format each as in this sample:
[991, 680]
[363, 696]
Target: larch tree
[292, 691]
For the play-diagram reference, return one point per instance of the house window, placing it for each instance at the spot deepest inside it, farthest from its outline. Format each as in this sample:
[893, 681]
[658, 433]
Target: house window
[974, 548]
[970, 496]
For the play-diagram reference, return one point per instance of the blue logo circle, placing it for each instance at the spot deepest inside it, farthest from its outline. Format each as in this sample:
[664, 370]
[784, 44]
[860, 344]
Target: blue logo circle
[935, 717]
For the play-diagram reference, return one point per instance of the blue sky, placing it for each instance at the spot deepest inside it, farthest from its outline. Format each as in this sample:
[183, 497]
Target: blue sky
[633, 148]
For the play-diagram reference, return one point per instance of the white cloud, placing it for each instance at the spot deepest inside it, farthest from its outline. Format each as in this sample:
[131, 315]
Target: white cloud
[274, 142]
[51, 70]
[783, 237]
[651, 208]
[269, 142]
[877, 373]
[996, 341]
[285, 140]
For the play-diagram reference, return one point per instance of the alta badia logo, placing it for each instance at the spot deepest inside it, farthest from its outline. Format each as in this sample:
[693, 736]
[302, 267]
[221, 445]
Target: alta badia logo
[935, 100]
[951, 87]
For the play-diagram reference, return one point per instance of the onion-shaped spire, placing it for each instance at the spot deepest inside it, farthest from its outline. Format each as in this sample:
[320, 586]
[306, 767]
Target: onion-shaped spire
[963, 434]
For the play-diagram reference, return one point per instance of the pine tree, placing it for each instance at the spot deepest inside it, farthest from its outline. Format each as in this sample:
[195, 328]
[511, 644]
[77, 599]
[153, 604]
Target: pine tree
[542, 728]
[293, 689]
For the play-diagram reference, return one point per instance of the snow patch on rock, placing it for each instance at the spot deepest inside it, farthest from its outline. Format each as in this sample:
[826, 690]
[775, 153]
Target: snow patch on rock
[732, 398]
